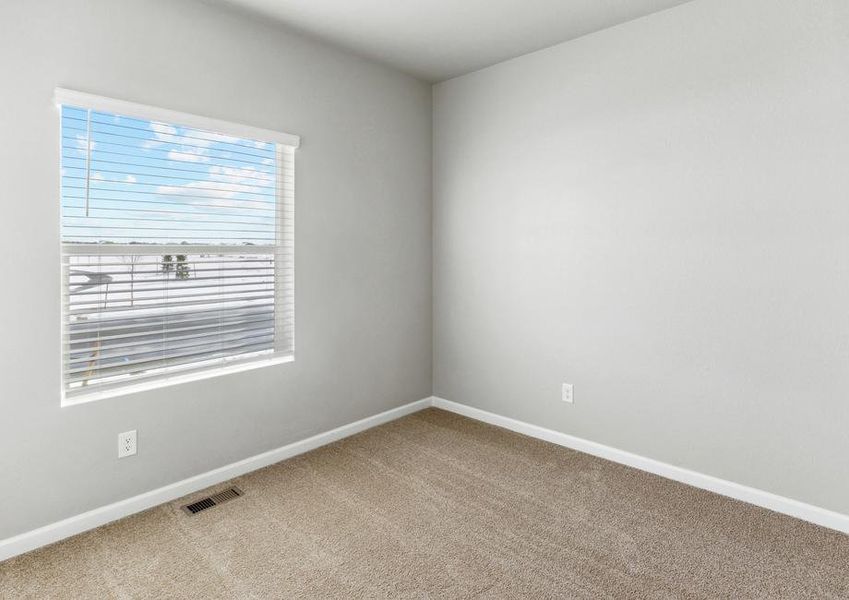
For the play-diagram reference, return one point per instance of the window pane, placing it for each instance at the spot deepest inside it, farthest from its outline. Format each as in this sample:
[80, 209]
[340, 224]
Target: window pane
[127, 180]
[130, 314]
[177, 249]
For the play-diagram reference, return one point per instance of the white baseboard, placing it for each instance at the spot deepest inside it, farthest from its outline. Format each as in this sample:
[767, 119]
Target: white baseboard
[54, 532]
[774, 502]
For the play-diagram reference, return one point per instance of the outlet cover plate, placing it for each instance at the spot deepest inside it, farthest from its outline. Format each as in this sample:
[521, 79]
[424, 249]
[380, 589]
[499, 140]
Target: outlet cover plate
[566, 393]
[126, 444]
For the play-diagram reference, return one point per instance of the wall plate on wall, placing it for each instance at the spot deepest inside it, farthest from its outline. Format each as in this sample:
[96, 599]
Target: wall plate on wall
[126, 444]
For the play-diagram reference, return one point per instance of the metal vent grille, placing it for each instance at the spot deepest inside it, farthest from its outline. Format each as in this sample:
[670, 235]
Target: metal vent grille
[213, 500]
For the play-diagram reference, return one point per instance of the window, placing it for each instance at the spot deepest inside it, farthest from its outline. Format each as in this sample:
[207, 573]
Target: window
[177, 246]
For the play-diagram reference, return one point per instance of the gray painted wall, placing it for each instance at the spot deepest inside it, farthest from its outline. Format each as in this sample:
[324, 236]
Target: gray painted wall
[658, 214]
[363, 244]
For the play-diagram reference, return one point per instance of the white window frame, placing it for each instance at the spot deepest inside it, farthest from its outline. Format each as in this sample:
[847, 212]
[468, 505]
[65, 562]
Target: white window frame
[286, 144]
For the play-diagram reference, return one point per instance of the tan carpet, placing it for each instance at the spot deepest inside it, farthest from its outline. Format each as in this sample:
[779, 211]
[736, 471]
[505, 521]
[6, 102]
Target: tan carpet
[439, 506]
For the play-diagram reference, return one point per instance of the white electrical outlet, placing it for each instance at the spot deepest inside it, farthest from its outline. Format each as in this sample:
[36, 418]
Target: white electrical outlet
[126, 443]
[566, 393]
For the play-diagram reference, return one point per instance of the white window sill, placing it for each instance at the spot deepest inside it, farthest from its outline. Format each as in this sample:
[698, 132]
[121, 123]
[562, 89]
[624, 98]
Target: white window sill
[170, 380]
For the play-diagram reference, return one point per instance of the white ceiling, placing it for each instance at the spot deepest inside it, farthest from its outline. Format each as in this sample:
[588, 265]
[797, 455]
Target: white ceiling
[439, 39]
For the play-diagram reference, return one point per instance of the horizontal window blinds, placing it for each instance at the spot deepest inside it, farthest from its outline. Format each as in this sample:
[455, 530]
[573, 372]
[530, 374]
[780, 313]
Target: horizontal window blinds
[177, 249]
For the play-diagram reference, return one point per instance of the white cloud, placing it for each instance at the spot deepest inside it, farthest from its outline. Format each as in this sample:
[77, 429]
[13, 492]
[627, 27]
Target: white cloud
[202, 188]
[221, 186]
[194, 137]
[190, 145]
[232, 203]
[188, 154]
[130, 179]
[82, 142]
[241, 176]
[208, 136]
[163, 131]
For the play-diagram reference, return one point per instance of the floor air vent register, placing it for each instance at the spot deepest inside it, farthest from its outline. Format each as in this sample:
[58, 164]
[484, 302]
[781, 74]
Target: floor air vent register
[213, 500]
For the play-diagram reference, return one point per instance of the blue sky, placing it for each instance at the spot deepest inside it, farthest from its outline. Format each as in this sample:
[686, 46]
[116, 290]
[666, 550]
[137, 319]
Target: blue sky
[157, 183]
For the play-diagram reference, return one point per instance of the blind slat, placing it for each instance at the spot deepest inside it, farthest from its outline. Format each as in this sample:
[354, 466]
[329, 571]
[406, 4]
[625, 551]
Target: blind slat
[183, 201]
[213, 137]
[225, 221]
[80, 344]
[221, 172]
[123, 366]
[140, 284]
[198, 317]
[98, 353]
[125, 309]
[183, 358]
[178, 140]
